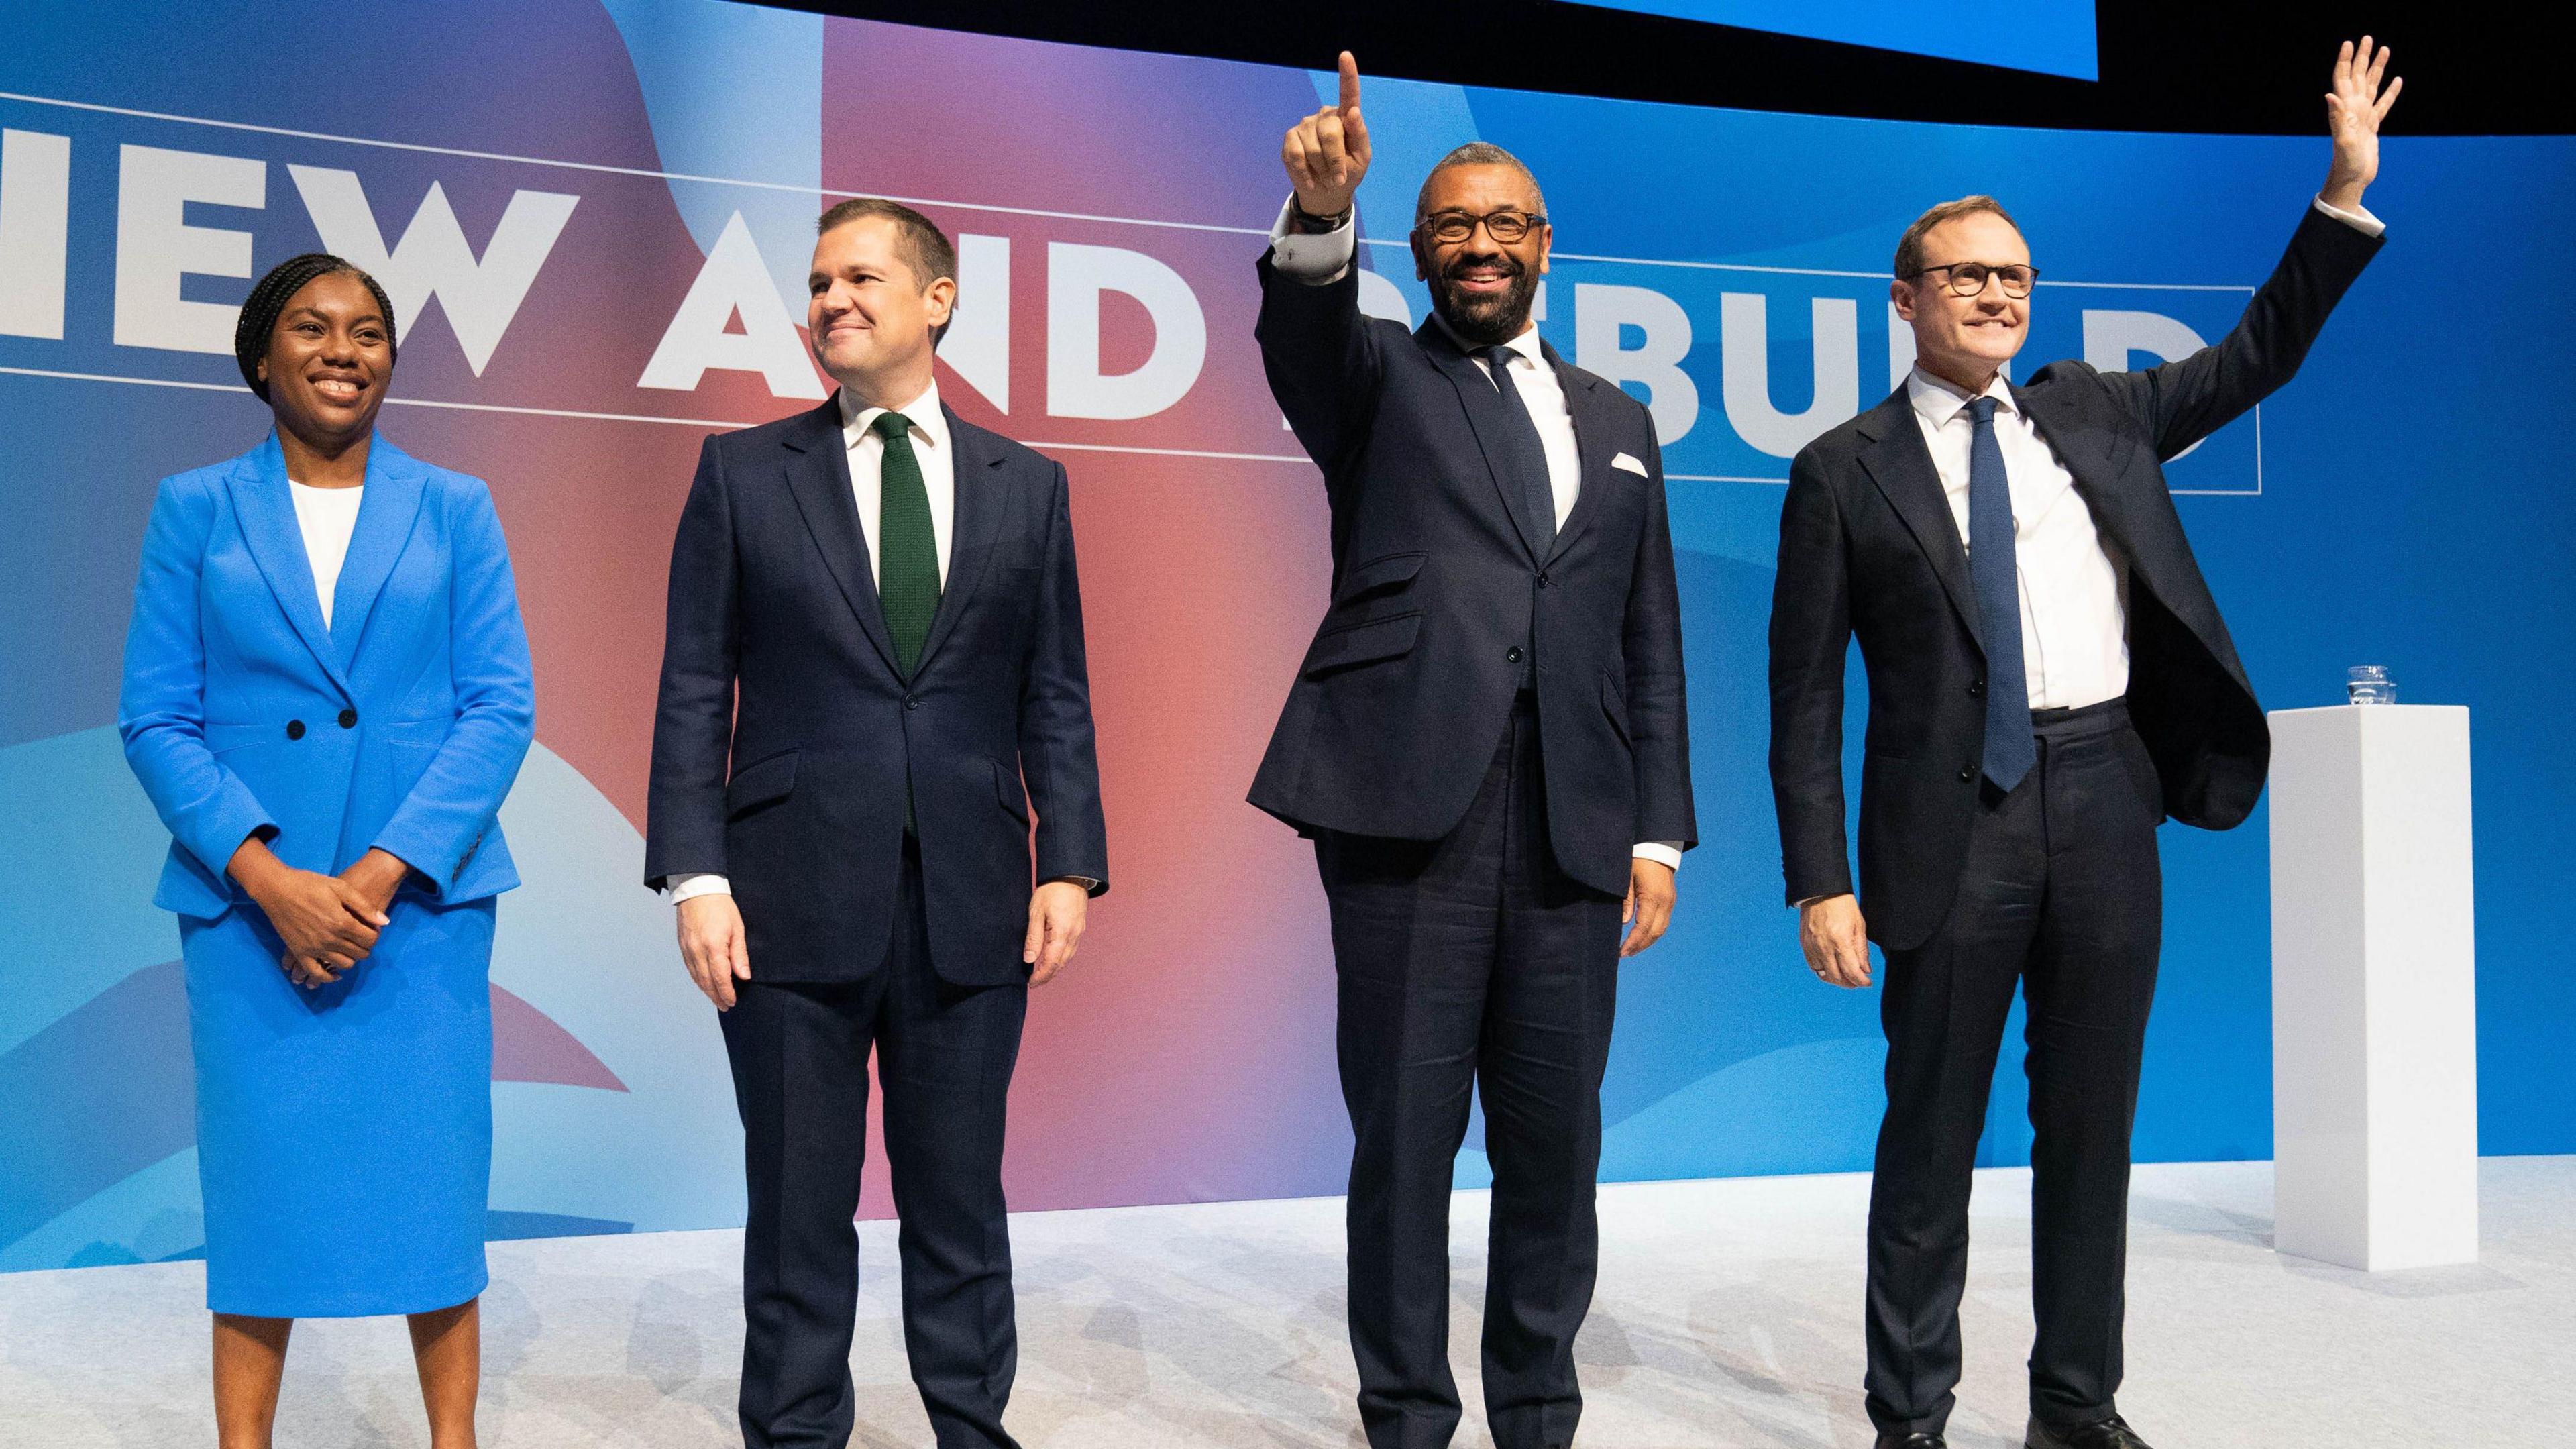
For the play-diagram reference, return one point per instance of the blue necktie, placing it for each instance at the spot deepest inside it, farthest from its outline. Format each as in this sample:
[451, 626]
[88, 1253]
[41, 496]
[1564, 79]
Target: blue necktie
[1996, 573]
[1538, 495]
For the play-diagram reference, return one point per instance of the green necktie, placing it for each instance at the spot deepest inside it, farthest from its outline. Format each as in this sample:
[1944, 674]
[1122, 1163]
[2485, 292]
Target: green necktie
[907, 550]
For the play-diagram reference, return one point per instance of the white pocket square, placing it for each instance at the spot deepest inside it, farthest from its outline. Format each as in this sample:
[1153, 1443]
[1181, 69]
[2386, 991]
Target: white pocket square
[1623, 460]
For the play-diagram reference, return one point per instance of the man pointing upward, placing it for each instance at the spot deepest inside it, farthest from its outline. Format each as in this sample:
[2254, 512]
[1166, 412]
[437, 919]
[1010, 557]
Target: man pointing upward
[1487, 743]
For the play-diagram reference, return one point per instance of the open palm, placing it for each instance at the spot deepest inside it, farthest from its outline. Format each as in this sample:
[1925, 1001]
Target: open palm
[2354, 109]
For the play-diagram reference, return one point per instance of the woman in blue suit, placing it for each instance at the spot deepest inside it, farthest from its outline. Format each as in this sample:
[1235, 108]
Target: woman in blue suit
[326, 696]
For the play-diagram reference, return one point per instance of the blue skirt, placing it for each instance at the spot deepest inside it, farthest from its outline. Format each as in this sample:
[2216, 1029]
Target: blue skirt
[344, 1136]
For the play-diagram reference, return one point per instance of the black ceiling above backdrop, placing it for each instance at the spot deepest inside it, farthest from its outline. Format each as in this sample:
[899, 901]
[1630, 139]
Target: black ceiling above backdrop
[2179, 65]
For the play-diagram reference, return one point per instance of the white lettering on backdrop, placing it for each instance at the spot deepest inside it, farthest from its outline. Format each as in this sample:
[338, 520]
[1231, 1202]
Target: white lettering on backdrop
[732, 319]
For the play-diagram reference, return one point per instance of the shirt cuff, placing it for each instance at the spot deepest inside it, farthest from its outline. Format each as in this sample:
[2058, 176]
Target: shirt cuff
[701, 883]
[1315, 258]
[2358, 218]
[1084, 881]
[1666, 853]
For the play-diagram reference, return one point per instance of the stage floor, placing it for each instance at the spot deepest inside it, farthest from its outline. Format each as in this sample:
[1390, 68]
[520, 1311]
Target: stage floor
[1727, 1315]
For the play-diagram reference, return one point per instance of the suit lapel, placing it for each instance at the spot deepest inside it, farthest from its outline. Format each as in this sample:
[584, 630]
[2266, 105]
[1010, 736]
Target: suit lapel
[1487, 418]
[2146, 539]
[385, 517]
[818, 478]
[1585, 404]
[973, 521]
[1899, 463]
[267, 514]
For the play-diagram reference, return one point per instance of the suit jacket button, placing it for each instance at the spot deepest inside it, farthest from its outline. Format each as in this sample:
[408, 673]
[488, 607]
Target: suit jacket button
[1967, 773]
[911, 703]
[1512, 655]
[295, 729]
[1976, 687]
[348, 719]
[1543, 581]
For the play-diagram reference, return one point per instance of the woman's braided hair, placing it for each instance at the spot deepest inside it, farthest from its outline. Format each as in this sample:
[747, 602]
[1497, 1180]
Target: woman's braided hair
[268, 299]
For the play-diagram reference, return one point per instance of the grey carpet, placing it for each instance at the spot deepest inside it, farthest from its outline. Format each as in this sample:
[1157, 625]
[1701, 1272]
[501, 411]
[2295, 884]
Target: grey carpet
[1727, 1315]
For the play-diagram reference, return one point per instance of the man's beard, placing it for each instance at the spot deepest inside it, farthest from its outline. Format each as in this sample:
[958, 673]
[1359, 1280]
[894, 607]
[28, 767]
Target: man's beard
[1484, 320]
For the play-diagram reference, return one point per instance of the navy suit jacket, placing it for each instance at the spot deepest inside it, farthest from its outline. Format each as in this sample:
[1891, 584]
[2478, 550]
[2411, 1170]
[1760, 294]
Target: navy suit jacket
[401, 725]
[1870, 549]
[787, 745]
[1438, 593]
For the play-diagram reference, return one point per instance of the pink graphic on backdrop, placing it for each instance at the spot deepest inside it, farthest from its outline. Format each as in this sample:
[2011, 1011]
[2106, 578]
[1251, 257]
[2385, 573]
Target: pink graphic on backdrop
[1188, 1055]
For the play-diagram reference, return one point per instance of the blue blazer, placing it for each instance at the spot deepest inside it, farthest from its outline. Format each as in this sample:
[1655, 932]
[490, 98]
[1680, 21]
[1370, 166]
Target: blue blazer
[401, 725]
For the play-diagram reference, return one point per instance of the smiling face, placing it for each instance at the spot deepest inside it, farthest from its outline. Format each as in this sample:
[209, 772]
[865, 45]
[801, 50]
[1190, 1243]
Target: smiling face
[869, 316]
[1481, 287]
[328, 361]
[1965, 340]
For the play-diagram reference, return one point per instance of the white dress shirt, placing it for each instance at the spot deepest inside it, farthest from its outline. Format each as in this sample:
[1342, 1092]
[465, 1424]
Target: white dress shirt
[326, 517]
[932, 448]
[2074, 594]
[1320, 258]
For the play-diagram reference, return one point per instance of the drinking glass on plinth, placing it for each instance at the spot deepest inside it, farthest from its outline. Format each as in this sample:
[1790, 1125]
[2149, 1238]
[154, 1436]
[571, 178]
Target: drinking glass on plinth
[2369, 684]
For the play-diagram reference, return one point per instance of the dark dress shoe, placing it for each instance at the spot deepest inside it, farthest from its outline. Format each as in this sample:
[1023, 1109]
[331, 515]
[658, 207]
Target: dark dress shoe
[1912, 1441]
[2111, 1433]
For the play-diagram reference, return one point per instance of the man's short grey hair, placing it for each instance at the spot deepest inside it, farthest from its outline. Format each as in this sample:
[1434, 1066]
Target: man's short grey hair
[1475, 153]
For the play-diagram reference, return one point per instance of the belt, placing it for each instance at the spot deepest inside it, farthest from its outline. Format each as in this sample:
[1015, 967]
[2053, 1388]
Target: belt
[2087, 719]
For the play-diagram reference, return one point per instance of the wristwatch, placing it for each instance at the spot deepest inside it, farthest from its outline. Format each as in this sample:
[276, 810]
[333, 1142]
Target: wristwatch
[1312, 225]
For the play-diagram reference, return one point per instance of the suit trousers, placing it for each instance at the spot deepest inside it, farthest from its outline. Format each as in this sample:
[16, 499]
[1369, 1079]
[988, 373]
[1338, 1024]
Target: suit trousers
[800, 1072]
[2062, 893]
[1471, 963]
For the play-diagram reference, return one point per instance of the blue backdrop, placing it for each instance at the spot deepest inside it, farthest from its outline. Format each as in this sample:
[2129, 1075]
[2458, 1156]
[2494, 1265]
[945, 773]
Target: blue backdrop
[556, 190]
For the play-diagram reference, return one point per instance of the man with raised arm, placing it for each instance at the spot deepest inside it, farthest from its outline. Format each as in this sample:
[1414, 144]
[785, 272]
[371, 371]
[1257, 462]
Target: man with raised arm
[1488, 744]
[2049, 679]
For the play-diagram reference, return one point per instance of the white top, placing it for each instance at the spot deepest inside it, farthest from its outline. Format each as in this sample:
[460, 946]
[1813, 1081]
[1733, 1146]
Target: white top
[2074, 594]
[1317, 259]
[326, 516]
[930, 446]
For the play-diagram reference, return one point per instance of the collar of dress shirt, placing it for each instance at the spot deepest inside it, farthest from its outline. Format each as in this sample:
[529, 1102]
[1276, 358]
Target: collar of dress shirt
[1938, 400]
[1526, 344]
[929, 424]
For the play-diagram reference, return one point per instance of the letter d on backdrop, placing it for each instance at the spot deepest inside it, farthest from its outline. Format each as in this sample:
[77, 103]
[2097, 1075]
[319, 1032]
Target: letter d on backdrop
[1076, 276]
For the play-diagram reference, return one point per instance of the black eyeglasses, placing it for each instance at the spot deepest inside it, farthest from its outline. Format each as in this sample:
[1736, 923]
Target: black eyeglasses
[1506, 227]
[1968, 279]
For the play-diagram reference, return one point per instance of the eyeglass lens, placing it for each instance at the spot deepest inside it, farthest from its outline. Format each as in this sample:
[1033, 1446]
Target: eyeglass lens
[1967, 279]
[1502, 226]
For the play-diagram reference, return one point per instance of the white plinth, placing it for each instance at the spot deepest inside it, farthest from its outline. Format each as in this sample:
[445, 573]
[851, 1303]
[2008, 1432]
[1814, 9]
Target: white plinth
[2374, 999]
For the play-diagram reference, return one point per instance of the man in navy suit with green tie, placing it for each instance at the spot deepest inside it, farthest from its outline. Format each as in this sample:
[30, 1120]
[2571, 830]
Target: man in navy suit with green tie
[872, 684]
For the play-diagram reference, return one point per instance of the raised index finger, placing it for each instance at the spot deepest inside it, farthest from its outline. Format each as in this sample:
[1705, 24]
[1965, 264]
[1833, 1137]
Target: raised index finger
[1350, 81]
